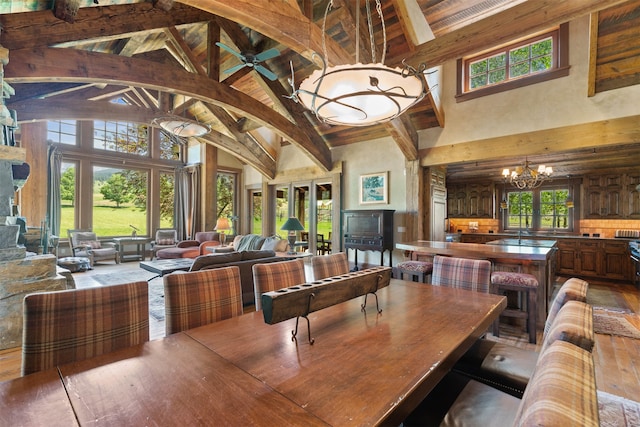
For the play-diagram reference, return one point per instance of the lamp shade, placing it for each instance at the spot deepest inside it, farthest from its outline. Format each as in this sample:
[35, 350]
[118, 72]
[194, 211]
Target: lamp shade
[183, 127]
[292, 224]
[223, 224]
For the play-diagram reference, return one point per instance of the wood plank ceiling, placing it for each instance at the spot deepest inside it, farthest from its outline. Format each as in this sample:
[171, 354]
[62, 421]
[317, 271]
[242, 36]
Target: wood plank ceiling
[160, 57]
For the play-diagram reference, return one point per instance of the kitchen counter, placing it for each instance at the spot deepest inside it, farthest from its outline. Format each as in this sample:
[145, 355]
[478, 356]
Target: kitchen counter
[543, 236]
[537, 260]
[524, 242]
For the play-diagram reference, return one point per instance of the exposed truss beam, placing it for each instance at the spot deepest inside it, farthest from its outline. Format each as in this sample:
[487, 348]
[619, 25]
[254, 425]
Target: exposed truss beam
[35, 65]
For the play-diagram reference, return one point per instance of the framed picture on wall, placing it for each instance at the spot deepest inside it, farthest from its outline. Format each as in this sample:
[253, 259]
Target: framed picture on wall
[374, 188]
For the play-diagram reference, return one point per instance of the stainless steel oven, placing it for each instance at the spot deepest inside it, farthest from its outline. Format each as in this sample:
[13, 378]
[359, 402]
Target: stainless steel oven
[634, 250]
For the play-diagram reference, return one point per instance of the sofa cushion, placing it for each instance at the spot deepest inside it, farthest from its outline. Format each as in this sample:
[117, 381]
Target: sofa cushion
[574, 324]
[573, 289]
[215, 259]
[562, 391]
[275, 243]
[248, 255]
[207, 236]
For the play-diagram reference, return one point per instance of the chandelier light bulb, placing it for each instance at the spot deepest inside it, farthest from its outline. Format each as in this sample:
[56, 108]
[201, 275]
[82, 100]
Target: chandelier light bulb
[524, 177]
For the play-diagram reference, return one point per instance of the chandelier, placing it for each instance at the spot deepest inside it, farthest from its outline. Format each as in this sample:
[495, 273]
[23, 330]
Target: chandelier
[525, 177]
[182, 127]
[360, 94]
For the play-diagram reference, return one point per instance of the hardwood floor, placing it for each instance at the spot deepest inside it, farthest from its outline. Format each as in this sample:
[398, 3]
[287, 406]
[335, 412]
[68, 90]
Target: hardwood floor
[617, 359]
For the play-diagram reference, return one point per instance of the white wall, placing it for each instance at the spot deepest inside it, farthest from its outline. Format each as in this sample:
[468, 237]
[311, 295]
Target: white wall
[556, 103]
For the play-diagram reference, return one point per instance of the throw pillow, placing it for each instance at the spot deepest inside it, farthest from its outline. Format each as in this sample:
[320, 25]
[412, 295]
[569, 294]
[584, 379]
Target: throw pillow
[270, 243]
[282, 245]
[165, 242]
[93, 244]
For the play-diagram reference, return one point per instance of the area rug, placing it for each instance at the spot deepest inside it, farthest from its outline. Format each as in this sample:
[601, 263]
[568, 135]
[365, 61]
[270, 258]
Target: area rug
[607, 299]
[156, 288]
[612, 323]
[616, 411]
[124, 277]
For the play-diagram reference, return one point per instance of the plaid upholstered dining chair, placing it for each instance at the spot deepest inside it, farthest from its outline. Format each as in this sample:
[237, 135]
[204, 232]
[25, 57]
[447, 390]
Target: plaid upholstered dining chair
[201, 297]
[66, 326]
[329, 265]
[463, 273]
[276, 275]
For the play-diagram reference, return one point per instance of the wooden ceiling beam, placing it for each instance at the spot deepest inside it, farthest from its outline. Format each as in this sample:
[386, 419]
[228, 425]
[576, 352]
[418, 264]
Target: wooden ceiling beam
[413, 22]
[256, 150]
[53, 109]
[186, 54]
[405, 136]
[590, 135]
[60, 65]
[278, 21]
[518, 21]
[99, 23]
[231, 146]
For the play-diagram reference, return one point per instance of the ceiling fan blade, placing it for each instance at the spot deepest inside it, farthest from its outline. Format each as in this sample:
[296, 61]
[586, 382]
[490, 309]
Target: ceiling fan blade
[267, 54]
[234, 68]
[265, 72]
[228, 49]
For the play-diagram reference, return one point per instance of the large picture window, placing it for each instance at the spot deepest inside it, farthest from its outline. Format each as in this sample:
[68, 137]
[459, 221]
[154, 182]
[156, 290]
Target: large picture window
[106, 185]
[119, 201]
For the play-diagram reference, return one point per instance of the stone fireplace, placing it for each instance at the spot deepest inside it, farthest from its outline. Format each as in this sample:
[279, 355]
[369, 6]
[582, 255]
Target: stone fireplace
[21, 272]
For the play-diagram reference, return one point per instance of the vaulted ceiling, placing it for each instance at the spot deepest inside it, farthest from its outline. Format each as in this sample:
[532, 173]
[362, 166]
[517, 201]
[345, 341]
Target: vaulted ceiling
[161, 57]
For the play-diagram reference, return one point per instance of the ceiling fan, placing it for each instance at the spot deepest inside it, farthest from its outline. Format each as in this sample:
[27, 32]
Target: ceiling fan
[252, 60]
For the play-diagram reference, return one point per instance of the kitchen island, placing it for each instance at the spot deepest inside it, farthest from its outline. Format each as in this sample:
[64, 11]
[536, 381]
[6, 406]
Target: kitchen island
[537, 260]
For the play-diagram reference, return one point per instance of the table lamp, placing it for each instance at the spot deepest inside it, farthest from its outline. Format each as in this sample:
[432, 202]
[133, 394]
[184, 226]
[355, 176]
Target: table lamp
[292, 225]
[222, 225]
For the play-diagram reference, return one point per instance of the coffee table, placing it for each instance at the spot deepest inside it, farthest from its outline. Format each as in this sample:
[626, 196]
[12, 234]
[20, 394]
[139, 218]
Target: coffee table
[166, 266]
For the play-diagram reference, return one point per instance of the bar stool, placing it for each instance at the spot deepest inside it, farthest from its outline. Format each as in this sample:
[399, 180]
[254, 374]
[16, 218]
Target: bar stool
[522, 283]
[415, 269]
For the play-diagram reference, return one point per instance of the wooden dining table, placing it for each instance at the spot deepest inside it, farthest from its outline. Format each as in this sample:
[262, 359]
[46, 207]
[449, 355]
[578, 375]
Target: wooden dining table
[364, 368]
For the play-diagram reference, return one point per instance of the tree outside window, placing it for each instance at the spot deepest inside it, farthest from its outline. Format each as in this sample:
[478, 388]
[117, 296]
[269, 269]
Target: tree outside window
[538, 210]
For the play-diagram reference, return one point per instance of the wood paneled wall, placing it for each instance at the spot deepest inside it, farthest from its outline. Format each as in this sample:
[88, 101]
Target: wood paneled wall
[33, 196]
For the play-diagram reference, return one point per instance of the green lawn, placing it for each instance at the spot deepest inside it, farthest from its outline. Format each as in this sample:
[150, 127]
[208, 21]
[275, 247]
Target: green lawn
[109, 220]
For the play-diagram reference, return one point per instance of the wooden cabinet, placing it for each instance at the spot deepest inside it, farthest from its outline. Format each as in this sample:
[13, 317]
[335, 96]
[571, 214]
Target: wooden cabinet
[632, 196]
[589, 258]
[594, 258]
[473, 200]
[603, 196]
[368, 230]
[456, 201]
[567, 257]
[481, 238]
[616, 263]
